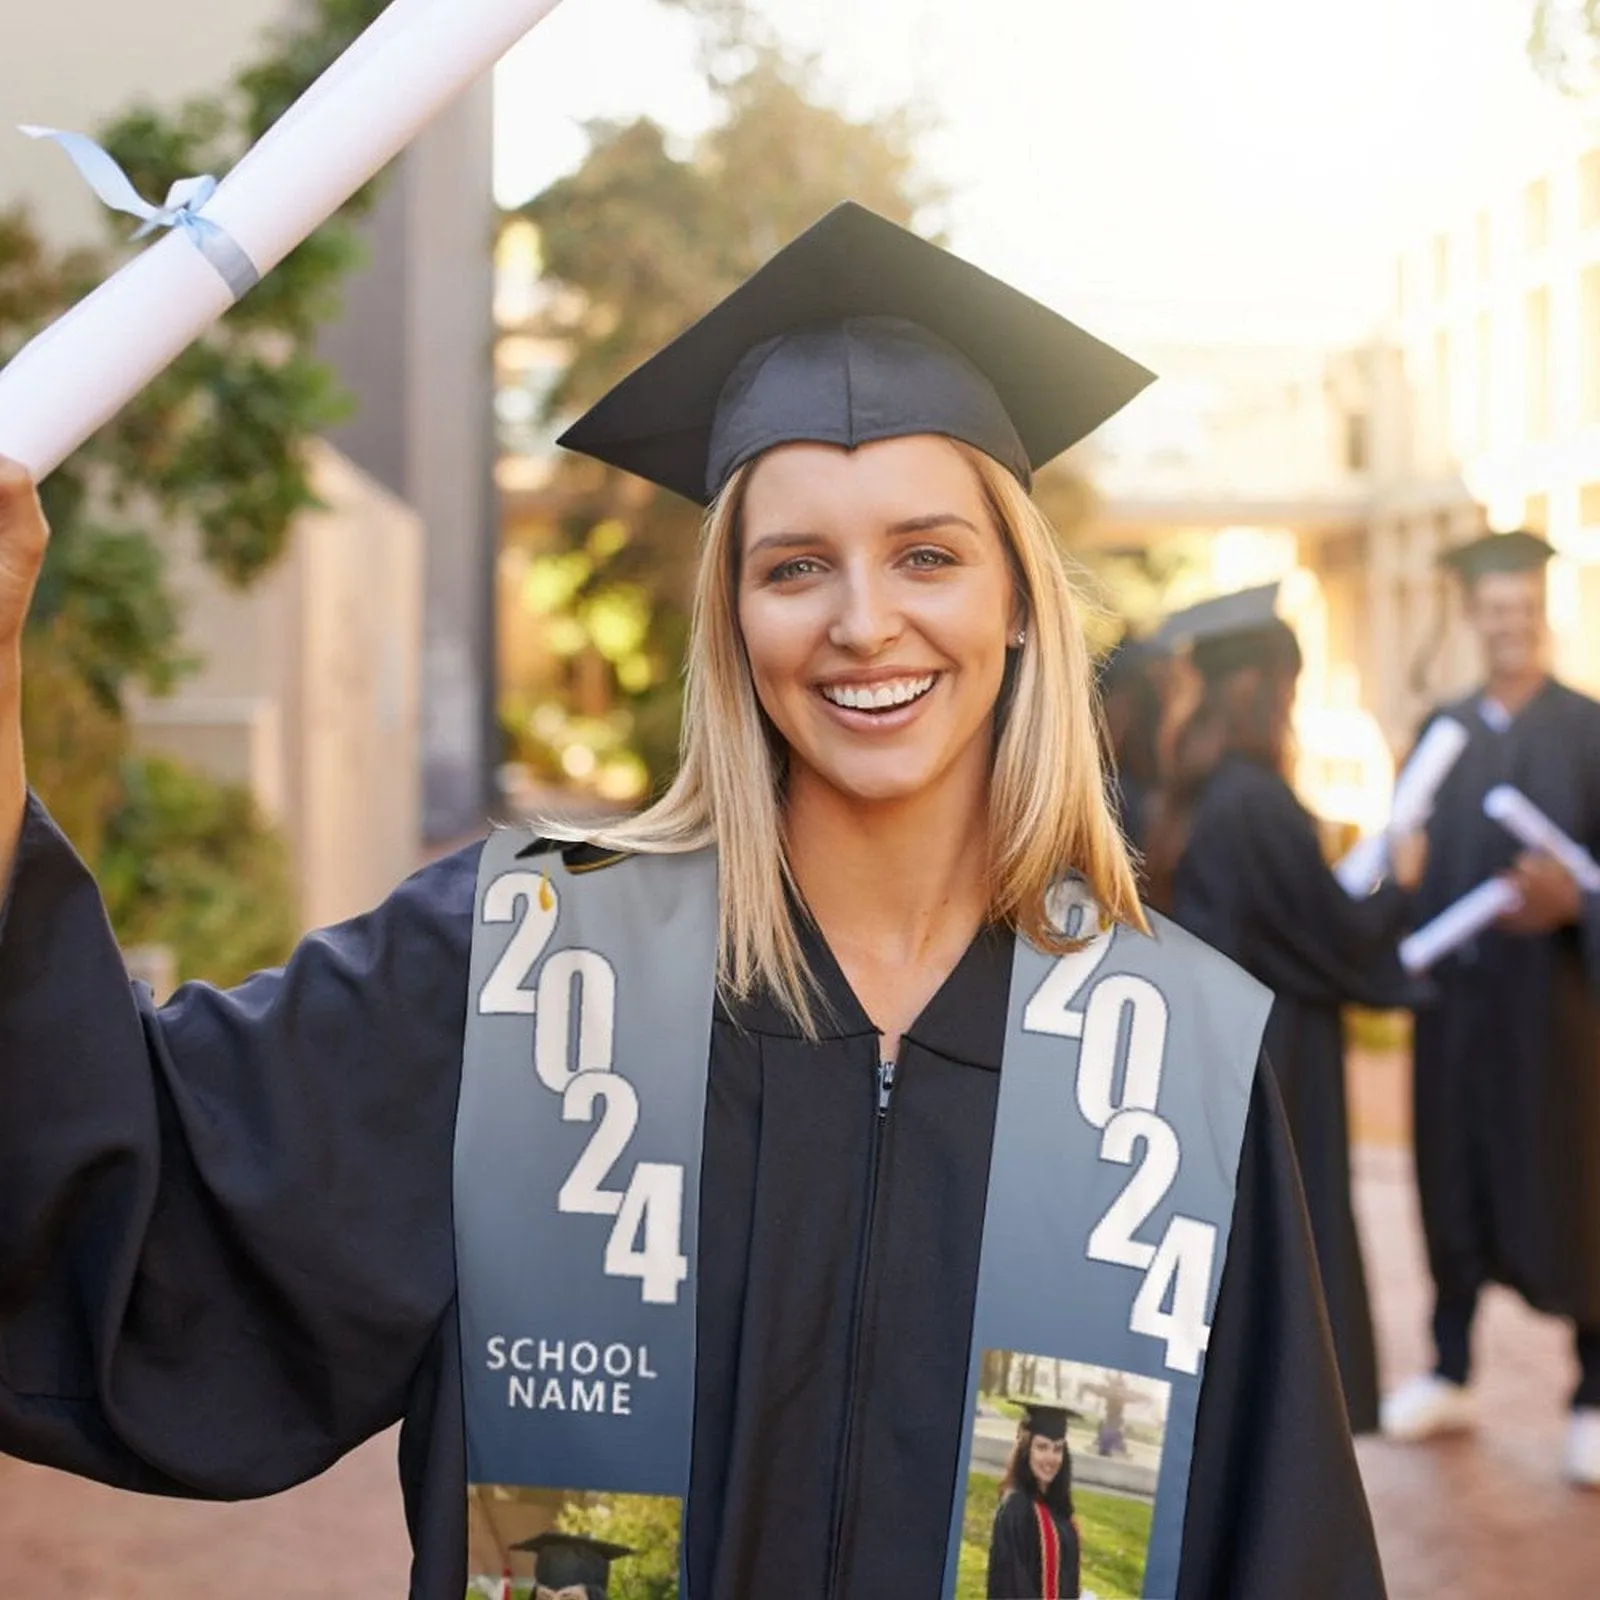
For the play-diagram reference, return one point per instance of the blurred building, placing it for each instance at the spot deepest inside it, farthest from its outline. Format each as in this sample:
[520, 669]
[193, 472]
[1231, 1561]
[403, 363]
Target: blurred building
[410, 487]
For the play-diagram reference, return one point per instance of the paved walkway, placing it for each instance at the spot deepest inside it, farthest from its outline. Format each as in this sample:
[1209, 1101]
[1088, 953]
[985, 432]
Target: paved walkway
[1483, 1520]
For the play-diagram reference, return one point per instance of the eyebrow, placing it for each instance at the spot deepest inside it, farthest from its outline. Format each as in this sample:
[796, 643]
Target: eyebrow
[926, 524]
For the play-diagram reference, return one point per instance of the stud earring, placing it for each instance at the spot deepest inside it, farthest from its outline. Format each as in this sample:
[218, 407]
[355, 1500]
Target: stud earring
[1019, 639]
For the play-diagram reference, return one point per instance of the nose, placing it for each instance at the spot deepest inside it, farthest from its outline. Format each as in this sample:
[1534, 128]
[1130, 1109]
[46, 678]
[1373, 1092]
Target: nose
[867, 619]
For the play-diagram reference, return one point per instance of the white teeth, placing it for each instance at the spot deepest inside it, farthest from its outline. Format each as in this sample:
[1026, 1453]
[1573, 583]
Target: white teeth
[878, 696]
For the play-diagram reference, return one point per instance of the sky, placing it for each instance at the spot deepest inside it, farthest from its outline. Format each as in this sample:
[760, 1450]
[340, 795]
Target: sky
[1180, 168]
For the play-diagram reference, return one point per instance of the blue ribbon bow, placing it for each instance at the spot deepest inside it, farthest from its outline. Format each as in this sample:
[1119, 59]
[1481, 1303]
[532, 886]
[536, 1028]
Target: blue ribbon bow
[182, 211]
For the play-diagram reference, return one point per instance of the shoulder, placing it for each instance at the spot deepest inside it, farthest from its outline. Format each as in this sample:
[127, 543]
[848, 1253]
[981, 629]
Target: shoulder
[1199, 963]
[1245, 792]
[1574, 704]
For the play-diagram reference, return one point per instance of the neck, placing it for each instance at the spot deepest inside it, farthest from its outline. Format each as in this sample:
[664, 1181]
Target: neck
[897, 876]
[1513, 690]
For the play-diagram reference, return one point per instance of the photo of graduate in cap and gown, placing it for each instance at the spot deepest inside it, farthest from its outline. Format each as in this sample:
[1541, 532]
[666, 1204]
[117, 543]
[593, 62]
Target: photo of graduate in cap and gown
[244, 1203]
[1034, 1550]
[1507, 1075]
[571, 1566]
[1236, 858]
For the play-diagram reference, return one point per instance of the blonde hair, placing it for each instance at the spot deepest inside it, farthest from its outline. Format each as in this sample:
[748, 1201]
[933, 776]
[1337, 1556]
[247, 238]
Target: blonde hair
[1048, 814]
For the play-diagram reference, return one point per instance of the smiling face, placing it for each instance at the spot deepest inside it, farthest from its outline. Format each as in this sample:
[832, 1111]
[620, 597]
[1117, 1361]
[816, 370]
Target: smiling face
[876, 601]
[1506, 610]
[1044, 1459]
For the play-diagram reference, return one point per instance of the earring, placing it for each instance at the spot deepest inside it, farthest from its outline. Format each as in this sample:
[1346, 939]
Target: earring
[1020, 639]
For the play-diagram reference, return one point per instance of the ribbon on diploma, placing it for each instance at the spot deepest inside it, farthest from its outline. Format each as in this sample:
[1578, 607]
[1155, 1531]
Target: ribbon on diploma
[413, 61]
[183, 210]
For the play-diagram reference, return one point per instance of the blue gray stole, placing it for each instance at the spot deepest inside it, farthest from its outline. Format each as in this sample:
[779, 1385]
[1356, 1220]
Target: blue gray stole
[1127, 1074]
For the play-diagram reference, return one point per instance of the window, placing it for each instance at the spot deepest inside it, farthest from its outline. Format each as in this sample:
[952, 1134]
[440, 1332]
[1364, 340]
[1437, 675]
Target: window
[1536, 513]
[1442, 380]
[1589, 345]
[1536, 216]
[1536, 362]
[1483, 379]
[1357, 441]
[1589, 189]
[1589, 505]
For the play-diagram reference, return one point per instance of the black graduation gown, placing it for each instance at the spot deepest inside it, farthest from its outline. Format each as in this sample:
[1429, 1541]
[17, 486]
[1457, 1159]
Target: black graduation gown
[226, 1258]
[1508, 1051]
[1253, 884]
[1016, 1563]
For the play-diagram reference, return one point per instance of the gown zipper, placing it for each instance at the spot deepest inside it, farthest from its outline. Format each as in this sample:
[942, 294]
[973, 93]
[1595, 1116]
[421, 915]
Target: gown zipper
[885, 1081]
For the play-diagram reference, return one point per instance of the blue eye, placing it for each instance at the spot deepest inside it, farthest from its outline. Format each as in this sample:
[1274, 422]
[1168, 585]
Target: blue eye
[794, 567]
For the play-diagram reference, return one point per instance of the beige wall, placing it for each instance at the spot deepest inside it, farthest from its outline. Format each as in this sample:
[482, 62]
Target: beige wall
[76, 63]
[310, 691]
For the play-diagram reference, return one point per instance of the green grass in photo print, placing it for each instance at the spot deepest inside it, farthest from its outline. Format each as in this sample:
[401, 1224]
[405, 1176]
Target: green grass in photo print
[1114, 1531]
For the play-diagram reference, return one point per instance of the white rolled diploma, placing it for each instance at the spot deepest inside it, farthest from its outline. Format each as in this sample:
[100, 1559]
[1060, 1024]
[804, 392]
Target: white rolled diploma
[1415, 791]
[1457, 923]
[363, 112]
[1524, 821]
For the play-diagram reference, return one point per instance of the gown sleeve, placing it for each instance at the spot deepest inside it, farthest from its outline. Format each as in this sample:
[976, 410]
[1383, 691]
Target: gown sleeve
[225, 1243]
[1014, 1551]
[1307, 937]
[1276, 1506]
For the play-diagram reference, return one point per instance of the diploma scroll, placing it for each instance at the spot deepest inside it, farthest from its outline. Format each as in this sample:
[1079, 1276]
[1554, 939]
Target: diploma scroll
[1360, 872]
[1458, 923]
[1524, 821]
[417, 57]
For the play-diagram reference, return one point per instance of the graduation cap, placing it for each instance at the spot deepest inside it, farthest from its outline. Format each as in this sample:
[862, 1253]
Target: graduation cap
[1517, 551]
[1229, 631]
[1128, 657]
[858, 330]
[563, 1560]
[1047, 1421]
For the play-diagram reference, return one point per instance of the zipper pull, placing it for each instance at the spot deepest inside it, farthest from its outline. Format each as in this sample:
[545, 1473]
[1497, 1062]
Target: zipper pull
[885, 1087]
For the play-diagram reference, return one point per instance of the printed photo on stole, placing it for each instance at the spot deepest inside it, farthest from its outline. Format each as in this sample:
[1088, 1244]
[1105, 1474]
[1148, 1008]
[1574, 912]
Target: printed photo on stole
[1061, 1479]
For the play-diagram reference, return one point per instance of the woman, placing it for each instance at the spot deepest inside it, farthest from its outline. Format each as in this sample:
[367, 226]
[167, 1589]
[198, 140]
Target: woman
[1131, 697]
[227, 1252]
[1236, 859]
[1034, 1553]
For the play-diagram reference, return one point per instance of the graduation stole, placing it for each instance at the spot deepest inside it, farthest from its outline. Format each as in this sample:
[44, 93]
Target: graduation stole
[1127, 1074]
[1049, 1552]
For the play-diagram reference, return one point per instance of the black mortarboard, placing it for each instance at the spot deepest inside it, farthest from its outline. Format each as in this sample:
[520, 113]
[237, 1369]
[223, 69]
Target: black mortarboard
[1232, 630]
[1048, 1422]
[1128, 657]
[1517, 551]
[858, 330]
[563, 1559]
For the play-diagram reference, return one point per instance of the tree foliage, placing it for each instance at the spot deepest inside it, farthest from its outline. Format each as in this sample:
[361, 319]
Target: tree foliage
[636, 243]
[213, 447]
[1564, 43]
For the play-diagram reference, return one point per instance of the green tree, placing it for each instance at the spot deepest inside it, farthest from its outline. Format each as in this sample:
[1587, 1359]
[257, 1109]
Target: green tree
[214, 446]
[1564, 43]
[636, 243]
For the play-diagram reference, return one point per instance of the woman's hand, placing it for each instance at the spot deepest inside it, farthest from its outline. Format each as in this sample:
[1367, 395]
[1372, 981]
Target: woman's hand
[23, 537]
[1408, 858]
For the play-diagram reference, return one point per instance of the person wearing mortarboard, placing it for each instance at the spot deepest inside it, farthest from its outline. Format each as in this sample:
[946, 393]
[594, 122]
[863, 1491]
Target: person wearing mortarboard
[1507, 1074]
[1131, 700]
[1236, 858]
[240, 1204]
[571, 1566]
[1033, 1548]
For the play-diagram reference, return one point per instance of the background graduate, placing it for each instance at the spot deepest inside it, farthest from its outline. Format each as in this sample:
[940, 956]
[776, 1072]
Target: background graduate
[1507, 1082]
[1034, 1552]
[239, 1205]
[1130, 696]
[1235, 858]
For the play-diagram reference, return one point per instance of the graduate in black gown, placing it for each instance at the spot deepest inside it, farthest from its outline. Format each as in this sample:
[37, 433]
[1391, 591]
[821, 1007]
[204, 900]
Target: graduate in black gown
[1131, 698]
[1236, 859]
[572, 1566]
[226, 1246]
[1507, 1084]
[1034, 1552]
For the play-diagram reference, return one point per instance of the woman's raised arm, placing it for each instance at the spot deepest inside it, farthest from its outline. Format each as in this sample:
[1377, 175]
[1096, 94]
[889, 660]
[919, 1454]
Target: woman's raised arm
[23, 536]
